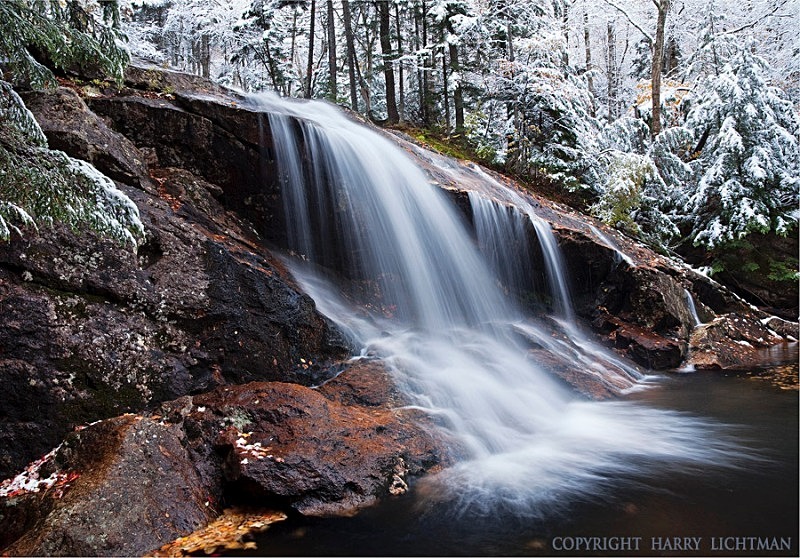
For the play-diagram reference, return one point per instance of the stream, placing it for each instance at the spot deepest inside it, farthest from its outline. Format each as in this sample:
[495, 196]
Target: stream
[669, 463]
[717, 509]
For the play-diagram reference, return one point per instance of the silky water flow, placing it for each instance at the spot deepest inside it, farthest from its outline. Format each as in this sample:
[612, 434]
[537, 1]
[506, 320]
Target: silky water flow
[358, 209]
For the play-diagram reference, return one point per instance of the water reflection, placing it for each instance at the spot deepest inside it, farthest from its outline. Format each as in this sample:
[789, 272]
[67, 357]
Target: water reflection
[779, 366]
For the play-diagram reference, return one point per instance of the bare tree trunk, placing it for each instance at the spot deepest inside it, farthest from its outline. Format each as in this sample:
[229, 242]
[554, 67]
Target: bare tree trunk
[351, 53]
[332, 89]
[658, 62]
[565, 32]
[445, 93]
[291, 52]
[205, 56]
[310, 67]
[588, 50]
[369, 49]
[420, 71]
[388, 61]
[611, 70]
[401, 103]
[194, 63]
[458, 96]
[512, 107]
[269, 62]
[426, 93]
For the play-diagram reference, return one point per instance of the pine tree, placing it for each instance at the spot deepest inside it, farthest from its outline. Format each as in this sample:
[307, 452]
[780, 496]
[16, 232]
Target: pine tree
[634, 173]
[39, 186]
[66, 36]
[747, 157]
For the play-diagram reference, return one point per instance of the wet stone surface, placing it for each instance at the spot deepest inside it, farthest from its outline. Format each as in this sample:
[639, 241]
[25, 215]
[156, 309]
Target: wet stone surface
[207, 340]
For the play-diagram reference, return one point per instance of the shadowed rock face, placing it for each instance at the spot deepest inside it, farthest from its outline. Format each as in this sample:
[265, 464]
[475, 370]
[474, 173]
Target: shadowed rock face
[213, 138]
[92, 330]
[204, 335]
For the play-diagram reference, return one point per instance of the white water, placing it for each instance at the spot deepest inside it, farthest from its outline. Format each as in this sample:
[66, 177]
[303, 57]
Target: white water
[619, 254]
[692, 308]
[450, 337]
[503, 238]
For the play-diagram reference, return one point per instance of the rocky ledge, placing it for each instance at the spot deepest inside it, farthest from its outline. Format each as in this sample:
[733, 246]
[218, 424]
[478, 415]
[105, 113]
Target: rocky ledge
[646, 306]
[129, 484]
[197, 374]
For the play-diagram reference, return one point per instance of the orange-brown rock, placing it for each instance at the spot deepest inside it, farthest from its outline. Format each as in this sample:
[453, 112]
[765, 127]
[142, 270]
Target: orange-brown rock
[323, 452]
[730, 341]
[132, 486]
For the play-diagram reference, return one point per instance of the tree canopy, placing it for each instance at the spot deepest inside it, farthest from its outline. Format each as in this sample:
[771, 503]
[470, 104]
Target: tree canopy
[36, 34]
[676, 120]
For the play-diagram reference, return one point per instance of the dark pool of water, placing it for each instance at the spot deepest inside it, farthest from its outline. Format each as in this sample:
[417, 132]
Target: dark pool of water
[729, 513]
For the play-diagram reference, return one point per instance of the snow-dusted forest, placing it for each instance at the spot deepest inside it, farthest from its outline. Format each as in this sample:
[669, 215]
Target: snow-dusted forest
[560, 88]
[675, 121]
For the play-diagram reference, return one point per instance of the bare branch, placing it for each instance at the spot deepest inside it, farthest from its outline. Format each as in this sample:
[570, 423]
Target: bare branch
[631, 21]
[755, 21]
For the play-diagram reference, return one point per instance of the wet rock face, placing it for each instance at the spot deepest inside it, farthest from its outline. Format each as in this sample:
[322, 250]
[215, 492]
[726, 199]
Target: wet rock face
[730, 341]
[215, 139]
[646, 316]
[130, 484]
[641, 309]
[319, 451]
[80, 357]
[92, 330]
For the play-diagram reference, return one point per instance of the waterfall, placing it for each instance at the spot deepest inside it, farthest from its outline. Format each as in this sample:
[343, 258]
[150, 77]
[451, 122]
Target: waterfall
[428, 304]
[619, 255]
[503, 238]
[555, 267]
[692, 308]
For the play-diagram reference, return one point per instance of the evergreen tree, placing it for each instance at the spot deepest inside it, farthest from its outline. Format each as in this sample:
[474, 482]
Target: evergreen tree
[65, 35]
[747, 156]
[555, 130]
[634, 177]
[37, 185]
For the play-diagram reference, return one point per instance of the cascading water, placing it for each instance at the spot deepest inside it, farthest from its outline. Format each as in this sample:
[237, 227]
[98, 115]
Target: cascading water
[359, 207]
[503, 237]
[501, 228]
[619, 255]
[696, 321]
[346, 212]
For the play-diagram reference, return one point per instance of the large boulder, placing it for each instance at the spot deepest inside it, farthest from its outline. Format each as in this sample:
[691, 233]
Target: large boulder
[117, 488]
[321, 452]
[731, 341]
[130, 484]
[92, 329]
